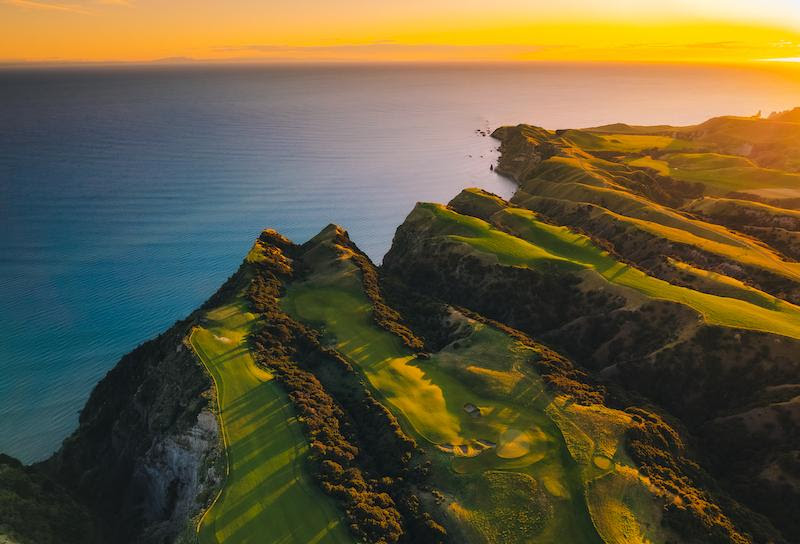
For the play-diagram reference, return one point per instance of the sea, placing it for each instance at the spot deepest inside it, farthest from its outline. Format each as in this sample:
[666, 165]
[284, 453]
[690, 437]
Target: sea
[128, 194]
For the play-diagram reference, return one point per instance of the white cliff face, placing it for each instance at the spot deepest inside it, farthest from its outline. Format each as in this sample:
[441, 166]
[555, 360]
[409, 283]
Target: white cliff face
[177, 477]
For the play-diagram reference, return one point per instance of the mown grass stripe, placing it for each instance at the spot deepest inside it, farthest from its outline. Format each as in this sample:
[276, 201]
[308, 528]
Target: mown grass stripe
[269, 495]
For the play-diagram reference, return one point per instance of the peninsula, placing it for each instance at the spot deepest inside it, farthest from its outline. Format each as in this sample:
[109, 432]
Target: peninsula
[610, 356]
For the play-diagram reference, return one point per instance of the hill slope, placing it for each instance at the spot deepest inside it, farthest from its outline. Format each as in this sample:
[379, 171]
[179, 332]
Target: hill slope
[688, 299]
[612, 356]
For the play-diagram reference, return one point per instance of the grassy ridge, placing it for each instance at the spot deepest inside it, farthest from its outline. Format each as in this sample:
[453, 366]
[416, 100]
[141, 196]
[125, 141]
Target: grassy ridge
[572, 169]
[629, 205]
[532, 485]
[732, 248]
[535, 238]
[744, 153]
[623, 512]
[629, 143]
[728, 206]
[731, 129]
[773, 141]
[430, 396]
[346, 314]
[507, 248]
[269, 495]
[649, 162]
[708, 161]
[722, 129]
[721, 174]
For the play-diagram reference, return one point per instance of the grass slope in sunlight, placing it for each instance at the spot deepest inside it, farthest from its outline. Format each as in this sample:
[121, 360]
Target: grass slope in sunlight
[269, 496]
[629, 143]
[632, 206]
[726, 207]
[508, 470]
[533, 238]
[649, 162]
[623, 511]
[647, 216]
[722, 174]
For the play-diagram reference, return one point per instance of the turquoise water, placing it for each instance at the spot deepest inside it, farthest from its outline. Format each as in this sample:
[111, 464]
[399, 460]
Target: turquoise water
[128, 195]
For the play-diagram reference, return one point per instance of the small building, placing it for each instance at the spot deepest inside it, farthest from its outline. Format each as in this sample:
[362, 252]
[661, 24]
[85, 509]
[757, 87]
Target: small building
[472, 410]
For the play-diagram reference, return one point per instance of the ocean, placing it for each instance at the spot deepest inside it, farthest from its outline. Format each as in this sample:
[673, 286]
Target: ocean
[128, 194]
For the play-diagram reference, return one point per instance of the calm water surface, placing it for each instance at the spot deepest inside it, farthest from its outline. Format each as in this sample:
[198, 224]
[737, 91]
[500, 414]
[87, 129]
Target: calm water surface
[128, 195]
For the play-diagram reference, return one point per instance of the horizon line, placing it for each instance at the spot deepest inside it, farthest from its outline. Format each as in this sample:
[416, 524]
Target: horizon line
[189, 61]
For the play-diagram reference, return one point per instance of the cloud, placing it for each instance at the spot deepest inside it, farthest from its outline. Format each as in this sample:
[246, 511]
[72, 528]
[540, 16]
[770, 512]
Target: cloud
[46, 6]
[726, 45]
[718, 45]
[82, 9]
[377, 45]
[357, 51]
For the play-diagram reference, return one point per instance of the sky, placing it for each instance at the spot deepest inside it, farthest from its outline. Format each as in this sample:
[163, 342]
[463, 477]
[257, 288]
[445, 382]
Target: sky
[717, 31]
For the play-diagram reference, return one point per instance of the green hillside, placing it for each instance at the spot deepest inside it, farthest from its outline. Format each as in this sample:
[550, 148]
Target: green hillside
[727, 206]
[512, 473]
[590, 141]
[269, 494]
[536, 244]
[721, 174]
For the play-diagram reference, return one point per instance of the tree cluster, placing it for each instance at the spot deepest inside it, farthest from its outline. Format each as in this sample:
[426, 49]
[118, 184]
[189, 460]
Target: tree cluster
[372, 513]
[693, 502]
[36, 510]
[360, 455]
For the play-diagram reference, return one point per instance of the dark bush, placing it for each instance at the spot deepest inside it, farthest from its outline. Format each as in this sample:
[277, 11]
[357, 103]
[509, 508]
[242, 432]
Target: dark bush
[360, 454]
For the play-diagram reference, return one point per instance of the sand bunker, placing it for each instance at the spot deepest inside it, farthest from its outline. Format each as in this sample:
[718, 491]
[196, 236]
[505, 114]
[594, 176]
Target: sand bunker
[514, 443]
[471, 449]
[603, 463]
[223, 339]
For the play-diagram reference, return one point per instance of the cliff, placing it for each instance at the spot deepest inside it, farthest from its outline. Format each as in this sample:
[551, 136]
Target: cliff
[610, 355]
[145, 456]
[696, 345]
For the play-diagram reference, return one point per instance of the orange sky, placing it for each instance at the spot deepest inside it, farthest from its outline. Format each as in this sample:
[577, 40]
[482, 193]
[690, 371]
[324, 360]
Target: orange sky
[390, 30]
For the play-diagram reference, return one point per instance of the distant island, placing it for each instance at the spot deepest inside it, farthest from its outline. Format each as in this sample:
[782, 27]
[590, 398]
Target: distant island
[612, 355]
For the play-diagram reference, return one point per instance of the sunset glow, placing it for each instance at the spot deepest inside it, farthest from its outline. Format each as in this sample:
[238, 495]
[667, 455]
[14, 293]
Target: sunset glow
[355, 30]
